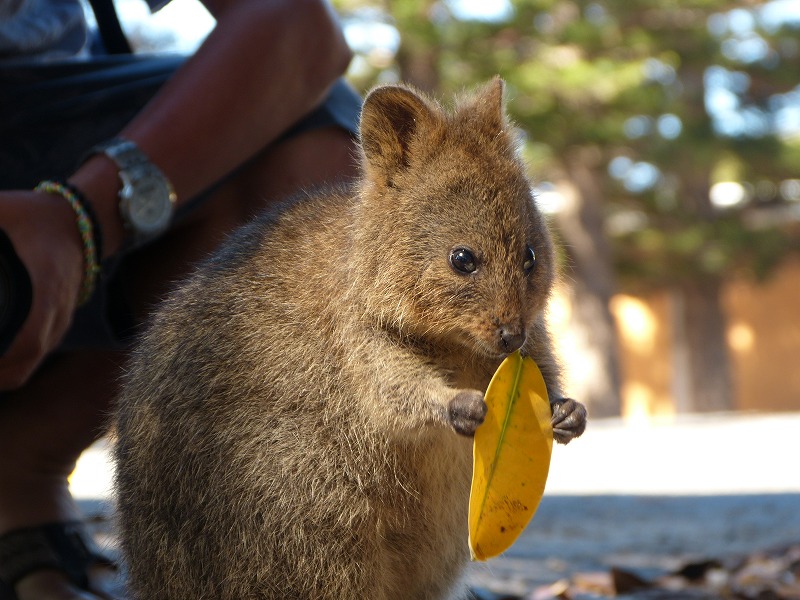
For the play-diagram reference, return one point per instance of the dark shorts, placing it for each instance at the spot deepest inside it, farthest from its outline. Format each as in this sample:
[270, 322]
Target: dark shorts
[51, 115]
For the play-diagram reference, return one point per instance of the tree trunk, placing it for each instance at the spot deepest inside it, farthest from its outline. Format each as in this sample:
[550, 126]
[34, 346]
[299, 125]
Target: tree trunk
[580, 224]
[420, 49]
[703, 375]
[419, 69]
[700, 332]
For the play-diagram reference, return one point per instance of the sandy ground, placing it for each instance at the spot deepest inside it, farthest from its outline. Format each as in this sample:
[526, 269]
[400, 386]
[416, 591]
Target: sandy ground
[638, 495]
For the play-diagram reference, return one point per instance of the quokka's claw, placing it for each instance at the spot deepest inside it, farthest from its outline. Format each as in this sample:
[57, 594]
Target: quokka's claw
[569, 419]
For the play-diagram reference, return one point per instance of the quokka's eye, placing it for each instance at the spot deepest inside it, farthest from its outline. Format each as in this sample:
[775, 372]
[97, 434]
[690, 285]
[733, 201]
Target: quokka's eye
[530, 259]
[463, 261]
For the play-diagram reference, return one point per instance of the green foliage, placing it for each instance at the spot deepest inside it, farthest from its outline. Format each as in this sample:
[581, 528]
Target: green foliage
[632, 79]
[690, 249]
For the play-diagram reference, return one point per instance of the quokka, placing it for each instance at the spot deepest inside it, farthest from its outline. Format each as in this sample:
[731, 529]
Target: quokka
[297, 419]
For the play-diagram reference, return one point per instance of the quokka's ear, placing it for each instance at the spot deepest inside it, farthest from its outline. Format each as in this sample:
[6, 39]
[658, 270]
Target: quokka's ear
[487, 108]
[391, 120]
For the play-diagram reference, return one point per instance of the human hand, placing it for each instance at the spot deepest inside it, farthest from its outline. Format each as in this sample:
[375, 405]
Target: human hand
[42, 227]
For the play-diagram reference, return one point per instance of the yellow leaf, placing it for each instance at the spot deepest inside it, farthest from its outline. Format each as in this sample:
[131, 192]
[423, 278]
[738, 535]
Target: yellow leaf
[511, 457]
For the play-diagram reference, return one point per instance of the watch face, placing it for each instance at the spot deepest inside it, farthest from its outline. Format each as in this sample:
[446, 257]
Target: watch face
[147, 202]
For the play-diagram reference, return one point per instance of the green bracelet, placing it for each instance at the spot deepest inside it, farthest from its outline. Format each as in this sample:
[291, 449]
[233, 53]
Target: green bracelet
[91, 264]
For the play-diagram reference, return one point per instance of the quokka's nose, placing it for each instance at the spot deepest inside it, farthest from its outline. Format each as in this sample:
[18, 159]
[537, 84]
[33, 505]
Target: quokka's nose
[511, 338]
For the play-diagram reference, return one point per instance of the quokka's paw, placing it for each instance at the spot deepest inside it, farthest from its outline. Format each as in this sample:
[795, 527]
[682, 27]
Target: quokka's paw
[466, 411]
[569, 419]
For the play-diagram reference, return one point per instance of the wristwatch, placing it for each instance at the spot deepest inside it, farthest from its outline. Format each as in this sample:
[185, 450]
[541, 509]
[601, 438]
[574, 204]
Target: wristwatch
[146, 198]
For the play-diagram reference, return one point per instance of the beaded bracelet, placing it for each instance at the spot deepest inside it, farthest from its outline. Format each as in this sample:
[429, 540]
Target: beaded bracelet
[89, 231]
[97, 232]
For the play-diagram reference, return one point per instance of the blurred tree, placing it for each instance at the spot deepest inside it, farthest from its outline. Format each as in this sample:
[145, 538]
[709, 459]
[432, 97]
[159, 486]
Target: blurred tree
[640, 113]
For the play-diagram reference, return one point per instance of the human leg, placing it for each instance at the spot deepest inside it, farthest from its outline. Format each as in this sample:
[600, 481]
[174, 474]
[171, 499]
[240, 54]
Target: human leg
[63, 409]
[301, 163]
[44, 427]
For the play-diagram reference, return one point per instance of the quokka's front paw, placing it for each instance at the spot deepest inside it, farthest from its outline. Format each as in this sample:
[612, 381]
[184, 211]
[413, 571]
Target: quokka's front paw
[466, 411]
[569, 419]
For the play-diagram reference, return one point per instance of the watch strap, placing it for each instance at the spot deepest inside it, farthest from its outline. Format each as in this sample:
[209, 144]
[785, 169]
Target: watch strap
[124, 153]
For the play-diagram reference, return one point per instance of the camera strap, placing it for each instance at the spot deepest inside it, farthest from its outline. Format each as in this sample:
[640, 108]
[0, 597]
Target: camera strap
[114, 40]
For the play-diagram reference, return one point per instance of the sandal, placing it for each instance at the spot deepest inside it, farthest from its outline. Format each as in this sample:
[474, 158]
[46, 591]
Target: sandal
[66, 547]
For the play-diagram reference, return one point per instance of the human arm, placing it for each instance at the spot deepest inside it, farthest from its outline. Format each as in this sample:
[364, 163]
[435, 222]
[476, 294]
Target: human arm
[265, 65]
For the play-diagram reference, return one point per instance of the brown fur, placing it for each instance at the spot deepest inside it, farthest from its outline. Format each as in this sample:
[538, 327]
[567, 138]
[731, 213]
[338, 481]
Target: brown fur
[287, 425]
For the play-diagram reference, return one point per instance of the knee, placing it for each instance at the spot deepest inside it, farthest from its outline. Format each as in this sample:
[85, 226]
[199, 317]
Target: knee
[314, 158]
